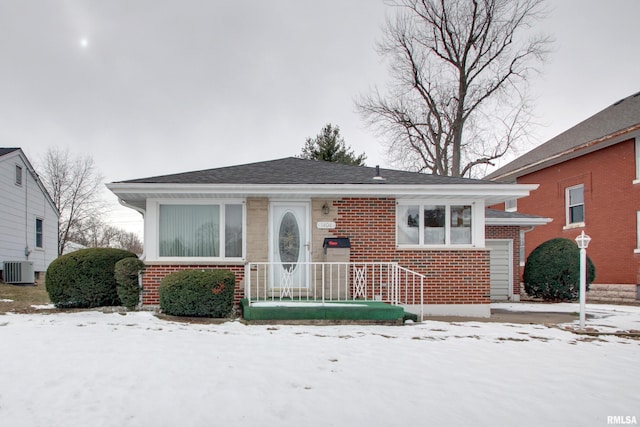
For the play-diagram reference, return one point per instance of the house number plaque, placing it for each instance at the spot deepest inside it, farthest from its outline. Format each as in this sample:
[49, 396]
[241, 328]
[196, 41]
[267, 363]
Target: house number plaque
[326, 225]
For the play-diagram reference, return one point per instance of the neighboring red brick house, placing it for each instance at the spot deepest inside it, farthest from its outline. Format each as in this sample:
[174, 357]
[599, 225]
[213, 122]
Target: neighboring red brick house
[281, 211]
[589, 180]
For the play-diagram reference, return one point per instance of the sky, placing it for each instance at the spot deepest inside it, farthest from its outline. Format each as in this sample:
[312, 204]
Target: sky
[153, 87]
[133, 369]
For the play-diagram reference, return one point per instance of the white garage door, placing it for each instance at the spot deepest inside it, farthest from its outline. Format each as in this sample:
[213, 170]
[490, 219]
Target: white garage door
[500, 269]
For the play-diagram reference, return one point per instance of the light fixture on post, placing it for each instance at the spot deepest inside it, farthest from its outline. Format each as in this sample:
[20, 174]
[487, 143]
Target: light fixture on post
[325, 208]
[583, 242]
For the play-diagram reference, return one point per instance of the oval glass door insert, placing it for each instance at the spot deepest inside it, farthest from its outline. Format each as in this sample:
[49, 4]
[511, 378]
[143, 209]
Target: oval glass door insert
[289, 241]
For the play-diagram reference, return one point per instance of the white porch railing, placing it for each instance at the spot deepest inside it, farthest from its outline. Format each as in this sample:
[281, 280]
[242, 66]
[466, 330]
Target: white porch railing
[334, 281]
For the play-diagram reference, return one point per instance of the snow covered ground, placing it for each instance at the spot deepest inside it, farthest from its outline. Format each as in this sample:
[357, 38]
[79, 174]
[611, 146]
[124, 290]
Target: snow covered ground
[96, 369]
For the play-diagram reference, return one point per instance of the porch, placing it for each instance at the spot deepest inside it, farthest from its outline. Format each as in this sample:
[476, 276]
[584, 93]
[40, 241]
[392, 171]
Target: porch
[332, 291]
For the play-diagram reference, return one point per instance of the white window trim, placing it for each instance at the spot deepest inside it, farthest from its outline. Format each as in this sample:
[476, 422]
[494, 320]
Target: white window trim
[19, 181]
[152, 230]
[35, 234]
[637, 159]
[637, 249]
[477, 224]
[567, 206]
[513, 208]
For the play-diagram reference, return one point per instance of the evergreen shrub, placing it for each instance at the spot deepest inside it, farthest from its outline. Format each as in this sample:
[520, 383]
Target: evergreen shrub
[552, 271]
[198, 293]
[126, 274]
[84, 278]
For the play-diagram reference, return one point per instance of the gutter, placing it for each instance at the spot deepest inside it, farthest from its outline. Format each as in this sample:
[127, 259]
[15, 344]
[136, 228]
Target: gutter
[447, 190]
[144, 248]
[531, 222]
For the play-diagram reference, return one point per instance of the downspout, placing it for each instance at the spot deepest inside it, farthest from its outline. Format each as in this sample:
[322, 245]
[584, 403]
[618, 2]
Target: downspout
[27, 251]
[144, 249]
[140, 291]
[141, 212]
[522, 261]
[522, 240]
[531, 227]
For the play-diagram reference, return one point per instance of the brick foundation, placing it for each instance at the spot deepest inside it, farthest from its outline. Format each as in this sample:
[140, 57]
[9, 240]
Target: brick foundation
[613, 294]
[601, 294]
[153, 275]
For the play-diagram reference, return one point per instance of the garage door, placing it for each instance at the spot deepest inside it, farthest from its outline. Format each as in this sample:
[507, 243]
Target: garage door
[500, 269]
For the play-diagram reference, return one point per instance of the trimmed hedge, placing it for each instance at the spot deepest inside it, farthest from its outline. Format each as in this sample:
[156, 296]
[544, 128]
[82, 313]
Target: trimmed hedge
[552, 271]
[198, 293]
[85, 278]
[127, 286]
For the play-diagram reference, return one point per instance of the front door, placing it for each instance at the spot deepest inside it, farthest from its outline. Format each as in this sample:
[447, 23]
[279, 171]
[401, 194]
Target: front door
[289, 248]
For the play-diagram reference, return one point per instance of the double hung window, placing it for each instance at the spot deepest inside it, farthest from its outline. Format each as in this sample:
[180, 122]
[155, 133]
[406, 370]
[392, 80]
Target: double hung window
[511, 205]
[18, 175]
[39, 231]
[574, 200]
[637, 250]
[637, 180]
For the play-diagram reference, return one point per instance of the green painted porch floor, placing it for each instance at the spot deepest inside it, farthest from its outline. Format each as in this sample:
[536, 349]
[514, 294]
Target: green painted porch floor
[359, 311]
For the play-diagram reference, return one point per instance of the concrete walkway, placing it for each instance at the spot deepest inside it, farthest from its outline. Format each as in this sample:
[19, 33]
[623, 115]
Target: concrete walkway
[507, 316]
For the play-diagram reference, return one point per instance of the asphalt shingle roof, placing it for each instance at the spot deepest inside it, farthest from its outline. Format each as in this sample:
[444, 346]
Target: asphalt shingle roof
[624, 114]
[4, 151]
[293, 170]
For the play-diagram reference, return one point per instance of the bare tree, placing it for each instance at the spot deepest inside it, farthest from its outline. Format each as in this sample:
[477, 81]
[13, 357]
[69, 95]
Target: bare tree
[95, 233]
[73, 183]
[129, 241]
[460, 73]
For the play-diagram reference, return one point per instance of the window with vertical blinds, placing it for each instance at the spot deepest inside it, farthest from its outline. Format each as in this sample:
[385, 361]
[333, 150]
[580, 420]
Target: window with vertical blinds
[201, 231]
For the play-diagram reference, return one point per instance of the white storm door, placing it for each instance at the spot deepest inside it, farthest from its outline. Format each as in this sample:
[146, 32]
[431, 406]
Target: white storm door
[289, 247]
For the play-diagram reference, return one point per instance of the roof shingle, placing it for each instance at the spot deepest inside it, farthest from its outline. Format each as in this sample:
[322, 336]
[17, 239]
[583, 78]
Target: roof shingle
[4, 151]
[293, 170]
[622, 115]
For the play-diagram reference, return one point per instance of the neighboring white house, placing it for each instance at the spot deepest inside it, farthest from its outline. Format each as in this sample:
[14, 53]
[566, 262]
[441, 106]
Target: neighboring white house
[28, 217]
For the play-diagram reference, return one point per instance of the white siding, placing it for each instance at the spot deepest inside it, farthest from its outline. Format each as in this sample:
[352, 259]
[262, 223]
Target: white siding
[19, 208]
[500, 269]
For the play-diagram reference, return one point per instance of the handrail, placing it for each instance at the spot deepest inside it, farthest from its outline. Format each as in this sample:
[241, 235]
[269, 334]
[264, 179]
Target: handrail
[334, 281]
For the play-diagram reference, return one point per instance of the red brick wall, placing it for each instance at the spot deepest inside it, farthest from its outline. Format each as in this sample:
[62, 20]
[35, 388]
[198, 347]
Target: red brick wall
[153, 274]
[611, 203]
[453, 276]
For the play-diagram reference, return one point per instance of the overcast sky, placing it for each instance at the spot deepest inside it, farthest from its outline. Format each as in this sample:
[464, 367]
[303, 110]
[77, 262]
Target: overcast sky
[156, 87]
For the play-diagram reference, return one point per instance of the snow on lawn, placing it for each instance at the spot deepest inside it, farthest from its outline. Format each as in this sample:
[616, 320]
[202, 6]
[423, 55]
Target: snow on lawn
[95, 369]
[601, 317]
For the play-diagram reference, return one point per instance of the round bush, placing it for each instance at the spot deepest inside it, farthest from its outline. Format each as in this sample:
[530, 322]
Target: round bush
[552, 271]
[84, 278]
[198, 293]
[127, 286]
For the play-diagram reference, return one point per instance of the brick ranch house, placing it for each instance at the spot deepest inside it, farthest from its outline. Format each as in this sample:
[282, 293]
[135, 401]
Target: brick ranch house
[281, 212]
[589, 179]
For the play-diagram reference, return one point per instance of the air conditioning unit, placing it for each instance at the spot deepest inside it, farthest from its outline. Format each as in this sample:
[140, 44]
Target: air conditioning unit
[18, 272]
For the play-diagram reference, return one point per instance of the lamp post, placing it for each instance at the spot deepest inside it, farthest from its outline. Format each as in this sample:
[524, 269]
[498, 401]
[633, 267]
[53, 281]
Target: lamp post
[583, 242]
